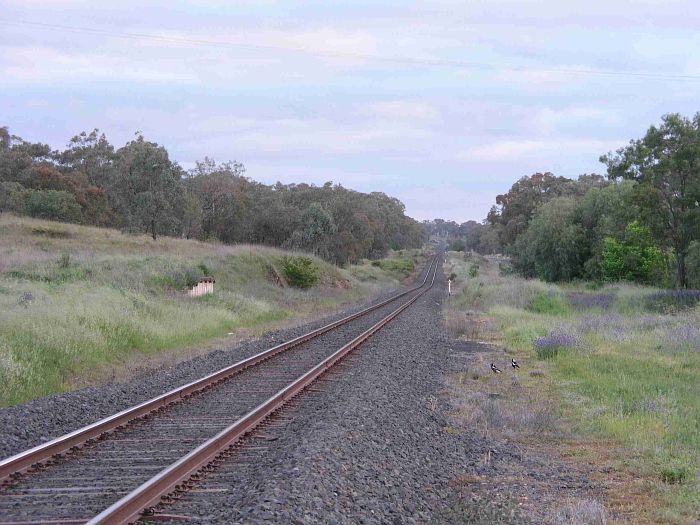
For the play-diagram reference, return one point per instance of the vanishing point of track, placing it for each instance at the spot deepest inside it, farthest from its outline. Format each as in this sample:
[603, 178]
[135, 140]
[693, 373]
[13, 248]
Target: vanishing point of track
[114, 470]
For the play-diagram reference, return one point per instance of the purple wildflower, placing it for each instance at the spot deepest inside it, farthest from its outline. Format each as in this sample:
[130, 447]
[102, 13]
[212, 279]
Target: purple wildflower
[554, 341]
[672, 300]
[586, 300]
[682, 337]
[597, 323]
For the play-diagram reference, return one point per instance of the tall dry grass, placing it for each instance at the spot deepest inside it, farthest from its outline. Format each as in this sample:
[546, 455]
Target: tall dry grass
[75, 298]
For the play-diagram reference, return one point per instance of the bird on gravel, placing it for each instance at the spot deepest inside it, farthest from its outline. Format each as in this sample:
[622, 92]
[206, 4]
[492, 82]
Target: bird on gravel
[514, 363]
[495, 369]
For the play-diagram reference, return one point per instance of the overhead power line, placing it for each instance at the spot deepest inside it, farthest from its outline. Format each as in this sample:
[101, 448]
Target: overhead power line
[409, 61]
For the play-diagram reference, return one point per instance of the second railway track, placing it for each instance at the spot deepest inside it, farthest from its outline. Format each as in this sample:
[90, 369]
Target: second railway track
[157, 446]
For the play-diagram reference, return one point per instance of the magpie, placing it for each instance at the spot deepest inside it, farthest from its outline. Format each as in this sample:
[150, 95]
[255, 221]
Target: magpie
[495, 369]
[514, 363]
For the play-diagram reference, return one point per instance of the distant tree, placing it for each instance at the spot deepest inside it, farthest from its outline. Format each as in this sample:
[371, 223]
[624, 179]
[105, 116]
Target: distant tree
[517, 207]
[490, 240]
[554, 246]
[603, 213]
[138, 188]
[18, 157]
[221, 191]
[316, 233]
[666, 164]
[457, 245]
[91, 154]
[148, 188]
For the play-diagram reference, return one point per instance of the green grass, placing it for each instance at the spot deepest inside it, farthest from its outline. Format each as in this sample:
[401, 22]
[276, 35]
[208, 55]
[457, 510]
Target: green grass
[403, 266]
[549, 303]
[75, 300]
[634, 378]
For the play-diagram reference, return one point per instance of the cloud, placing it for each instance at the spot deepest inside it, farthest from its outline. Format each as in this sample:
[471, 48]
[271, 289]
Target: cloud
[549, 120]
[448, 201]
[42, 64]
[413, 110]
[513, 150]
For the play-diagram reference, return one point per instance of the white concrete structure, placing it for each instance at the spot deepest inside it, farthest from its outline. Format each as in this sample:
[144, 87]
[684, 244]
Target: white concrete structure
[205, 286]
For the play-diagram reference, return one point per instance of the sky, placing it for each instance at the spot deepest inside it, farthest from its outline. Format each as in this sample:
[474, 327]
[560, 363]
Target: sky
[442, 104]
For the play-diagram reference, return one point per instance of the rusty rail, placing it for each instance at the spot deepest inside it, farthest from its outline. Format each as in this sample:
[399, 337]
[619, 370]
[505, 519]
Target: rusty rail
[30, 458]
[132, 506]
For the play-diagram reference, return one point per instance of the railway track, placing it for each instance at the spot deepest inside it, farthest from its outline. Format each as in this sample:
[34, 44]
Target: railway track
[117, 468]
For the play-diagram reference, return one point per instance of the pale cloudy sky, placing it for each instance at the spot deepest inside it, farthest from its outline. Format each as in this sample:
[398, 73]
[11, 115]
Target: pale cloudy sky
[475, 94]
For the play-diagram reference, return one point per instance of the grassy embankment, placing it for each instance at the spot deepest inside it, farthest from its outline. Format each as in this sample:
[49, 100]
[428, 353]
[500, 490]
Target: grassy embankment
[619, 365]
[78, 302]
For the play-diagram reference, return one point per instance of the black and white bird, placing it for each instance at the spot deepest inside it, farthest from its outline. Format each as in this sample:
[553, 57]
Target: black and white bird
[495, 369]
[514, 363]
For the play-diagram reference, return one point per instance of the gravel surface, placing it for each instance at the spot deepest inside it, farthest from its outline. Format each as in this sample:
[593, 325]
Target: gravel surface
[86, 483]
[33, 423]
[372, 443]
[370, 447]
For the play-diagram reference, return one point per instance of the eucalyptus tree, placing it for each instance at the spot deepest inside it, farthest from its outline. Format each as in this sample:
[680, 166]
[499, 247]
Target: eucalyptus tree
[148, 188]
[666, 165]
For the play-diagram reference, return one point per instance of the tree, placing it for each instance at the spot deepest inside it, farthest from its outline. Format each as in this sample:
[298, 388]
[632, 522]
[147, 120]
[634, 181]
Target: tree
[148, 188]
[524, 197]
[605, 213]
[666, 164]
[138, 188]
[554, 246]
[91, 154]
[316, 235]
[457, 245]
[221, 191]
[635, 259]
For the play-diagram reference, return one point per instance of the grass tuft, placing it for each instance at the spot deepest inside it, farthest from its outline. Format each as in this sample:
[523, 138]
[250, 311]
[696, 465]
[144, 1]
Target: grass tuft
[581, 512]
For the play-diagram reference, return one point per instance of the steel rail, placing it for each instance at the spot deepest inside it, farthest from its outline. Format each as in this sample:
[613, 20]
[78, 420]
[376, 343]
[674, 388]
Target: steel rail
[132, 506]
[32, 457]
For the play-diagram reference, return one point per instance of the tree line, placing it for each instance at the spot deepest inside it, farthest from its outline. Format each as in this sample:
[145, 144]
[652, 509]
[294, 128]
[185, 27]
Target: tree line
[640, 222]
[139, 188]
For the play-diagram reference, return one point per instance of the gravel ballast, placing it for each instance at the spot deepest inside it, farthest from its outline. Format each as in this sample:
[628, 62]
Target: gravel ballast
[30, 424]
[370, 443]
[370, 447]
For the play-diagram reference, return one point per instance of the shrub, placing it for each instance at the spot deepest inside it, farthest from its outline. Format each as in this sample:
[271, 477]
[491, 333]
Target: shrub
[636, 258]
[474, 270]
[548, 303]
[674, 475]
[404, 266]
[300, 271]
[53, 205]
[11, 196]
[204, 269]
[505, 269]
[177, 279]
